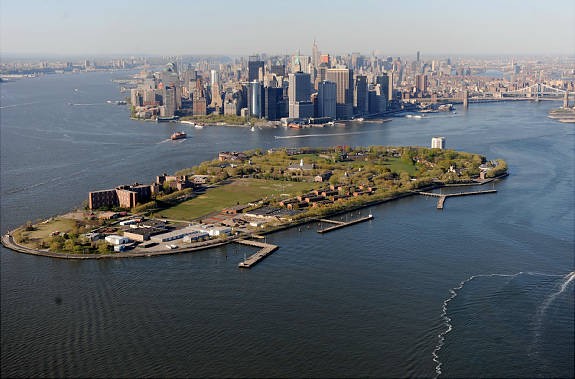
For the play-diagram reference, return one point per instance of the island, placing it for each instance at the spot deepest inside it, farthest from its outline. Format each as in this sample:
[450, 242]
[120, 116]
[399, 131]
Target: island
[241, 196]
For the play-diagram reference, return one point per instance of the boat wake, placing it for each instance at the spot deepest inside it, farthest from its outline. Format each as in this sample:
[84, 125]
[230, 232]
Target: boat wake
[319, 135]
[568, 279]
[18, 105]
[455, 291]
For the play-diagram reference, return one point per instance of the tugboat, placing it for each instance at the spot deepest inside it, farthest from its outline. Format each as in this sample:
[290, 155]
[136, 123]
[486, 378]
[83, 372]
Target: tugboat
[178, 135]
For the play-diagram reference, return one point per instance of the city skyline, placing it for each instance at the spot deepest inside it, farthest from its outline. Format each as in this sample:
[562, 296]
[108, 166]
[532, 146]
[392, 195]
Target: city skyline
[434, 28]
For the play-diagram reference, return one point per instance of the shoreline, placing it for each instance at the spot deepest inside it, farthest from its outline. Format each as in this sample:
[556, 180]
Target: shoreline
[9, 243]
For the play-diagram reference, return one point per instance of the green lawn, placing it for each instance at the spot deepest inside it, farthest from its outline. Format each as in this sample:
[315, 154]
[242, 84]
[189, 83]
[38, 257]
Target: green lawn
[240, 191]
[398, 165]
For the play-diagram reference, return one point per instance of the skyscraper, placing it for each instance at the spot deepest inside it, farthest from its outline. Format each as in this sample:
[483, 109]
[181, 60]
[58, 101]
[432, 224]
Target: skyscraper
[386, 83]
[326, 99]
[299, 91]
[254, 67]
[272, 99]
[360, 96]
[343, 79]
[421, 83]
[255, 103]
[169, 100]
[315, 55]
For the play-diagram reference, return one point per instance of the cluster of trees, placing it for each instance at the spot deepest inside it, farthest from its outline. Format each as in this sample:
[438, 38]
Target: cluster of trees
[382, 166]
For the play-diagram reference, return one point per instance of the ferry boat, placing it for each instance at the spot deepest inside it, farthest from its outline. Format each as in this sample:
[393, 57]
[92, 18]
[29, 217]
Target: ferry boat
[178, 135]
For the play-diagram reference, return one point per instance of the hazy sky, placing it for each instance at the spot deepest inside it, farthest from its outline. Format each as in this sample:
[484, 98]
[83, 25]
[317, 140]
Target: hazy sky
[242, 27]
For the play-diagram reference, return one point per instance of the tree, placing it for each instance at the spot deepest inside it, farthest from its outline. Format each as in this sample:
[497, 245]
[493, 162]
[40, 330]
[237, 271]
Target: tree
[103, 247]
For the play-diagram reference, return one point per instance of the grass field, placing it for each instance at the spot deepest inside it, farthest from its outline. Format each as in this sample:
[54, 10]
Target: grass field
[42, 231]
[398, 165]
[240, 191]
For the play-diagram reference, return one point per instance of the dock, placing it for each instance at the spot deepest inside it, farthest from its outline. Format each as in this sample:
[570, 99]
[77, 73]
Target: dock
[331, 221]
[265, 250]
[341, 224]
[442, 197]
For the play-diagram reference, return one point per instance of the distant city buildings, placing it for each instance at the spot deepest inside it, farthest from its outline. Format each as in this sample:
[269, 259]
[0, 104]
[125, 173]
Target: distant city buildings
[301, 87]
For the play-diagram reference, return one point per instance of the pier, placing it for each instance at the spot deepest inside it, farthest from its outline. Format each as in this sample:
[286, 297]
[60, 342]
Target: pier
[442, 196]
[265, 250]
[341, 224]
[331, 221]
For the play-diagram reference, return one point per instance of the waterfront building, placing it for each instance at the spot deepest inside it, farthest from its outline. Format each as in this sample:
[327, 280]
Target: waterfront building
[299, 90]
[438, 143]
[272, 98]
[386, 83]
[302, 109]
[231, 107]
[326, 99]
[343, 78]
[200, 106]
[126, 196]
[169, 102]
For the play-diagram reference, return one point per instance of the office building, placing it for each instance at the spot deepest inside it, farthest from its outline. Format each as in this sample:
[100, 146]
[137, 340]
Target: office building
[421, 83]
[272, 98]
[343, 79]
[326, 99]
[299, 90]
[255, 69]
[169, 102]
[386, 83]
[255, 99]
[360, 97]
[438, 143]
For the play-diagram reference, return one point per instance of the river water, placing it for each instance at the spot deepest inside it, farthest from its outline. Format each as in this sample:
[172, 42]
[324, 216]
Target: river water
[478, 289]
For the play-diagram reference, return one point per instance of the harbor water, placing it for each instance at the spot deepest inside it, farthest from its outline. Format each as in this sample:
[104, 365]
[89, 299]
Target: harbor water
[483, 287]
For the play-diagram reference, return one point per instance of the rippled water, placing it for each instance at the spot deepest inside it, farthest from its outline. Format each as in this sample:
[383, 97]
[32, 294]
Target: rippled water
[367, 300]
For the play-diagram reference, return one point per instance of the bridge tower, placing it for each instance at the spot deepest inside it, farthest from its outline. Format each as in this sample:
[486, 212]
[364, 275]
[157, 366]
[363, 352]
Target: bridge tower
[566, 100]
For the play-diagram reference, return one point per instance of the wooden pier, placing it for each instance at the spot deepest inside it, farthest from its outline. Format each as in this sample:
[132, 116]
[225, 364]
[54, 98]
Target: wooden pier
[265, 250]
[443, 196]
[341, 224]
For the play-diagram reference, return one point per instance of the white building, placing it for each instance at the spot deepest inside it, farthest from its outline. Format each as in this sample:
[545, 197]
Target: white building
[116, 240]
[438, 143]
[173, 235]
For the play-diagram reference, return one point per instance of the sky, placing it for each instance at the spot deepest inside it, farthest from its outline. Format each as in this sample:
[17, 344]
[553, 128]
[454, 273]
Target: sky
[243, 27]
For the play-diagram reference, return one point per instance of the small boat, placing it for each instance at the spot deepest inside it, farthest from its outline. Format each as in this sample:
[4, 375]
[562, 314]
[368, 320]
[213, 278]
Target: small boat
[178, 135]
[253, 129]
[199, 126]
[187, 122]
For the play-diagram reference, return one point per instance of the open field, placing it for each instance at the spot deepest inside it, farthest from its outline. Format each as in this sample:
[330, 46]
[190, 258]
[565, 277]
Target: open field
[42, 231]
[239, 191]
[398, 165]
